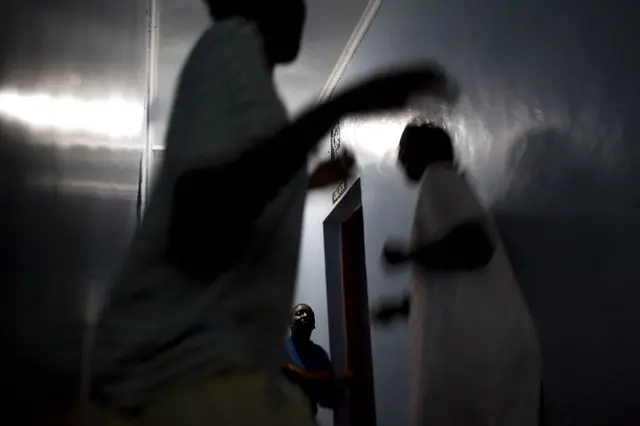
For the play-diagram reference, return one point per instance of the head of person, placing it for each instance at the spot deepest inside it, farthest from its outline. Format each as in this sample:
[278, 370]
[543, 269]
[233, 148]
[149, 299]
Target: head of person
[303, 322]
[281, 23]
[422, 145]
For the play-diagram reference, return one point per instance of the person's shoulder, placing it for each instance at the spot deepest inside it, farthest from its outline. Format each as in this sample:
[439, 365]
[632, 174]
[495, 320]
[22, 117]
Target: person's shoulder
[320, 353]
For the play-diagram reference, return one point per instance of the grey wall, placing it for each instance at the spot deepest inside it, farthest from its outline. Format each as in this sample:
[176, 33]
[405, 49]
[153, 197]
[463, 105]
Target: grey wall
[547, 126]
[72, 178]
[76, 78]
[69, 168]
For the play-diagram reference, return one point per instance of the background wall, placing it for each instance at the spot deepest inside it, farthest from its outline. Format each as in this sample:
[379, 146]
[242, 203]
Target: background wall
[547, 127]
[72, 102]
[311, 286]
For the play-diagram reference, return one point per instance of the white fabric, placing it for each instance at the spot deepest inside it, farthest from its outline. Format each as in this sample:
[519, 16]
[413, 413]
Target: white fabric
[475, 353]
[225, 99]
[231, 400]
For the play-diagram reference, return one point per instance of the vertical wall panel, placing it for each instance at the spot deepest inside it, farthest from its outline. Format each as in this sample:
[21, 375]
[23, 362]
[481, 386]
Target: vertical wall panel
[72, 102]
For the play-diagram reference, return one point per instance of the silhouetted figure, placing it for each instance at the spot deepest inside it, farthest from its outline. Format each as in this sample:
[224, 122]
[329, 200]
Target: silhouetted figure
[194, 329]
[308, 366]
[466, 247]
[474, 352]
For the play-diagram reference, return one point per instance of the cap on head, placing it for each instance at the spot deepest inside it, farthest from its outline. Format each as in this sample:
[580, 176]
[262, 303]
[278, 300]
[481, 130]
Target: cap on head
[422, 145]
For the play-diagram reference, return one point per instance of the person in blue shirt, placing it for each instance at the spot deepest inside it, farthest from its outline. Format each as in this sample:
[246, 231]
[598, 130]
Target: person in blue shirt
[308, 366]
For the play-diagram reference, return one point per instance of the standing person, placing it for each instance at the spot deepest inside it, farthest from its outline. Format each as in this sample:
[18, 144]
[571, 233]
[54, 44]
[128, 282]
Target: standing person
[308, 366]
[475, 355]
[193, 331]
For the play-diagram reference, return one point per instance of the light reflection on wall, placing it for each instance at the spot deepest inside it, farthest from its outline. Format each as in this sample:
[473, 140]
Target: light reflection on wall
[114, 117]
[96, 188]
[68, 121]
[483, 154]
[374, 140]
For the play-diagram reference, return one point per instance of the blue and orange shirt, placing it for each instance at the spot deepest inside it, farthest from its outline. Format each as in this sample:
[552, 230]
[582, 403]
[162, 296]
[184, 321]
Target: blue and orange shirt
[311, 362]
[313, 372]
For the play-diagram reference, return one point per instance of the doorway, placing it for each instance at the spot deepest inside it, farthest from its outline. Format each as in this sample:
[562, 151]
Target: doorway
[348, 308]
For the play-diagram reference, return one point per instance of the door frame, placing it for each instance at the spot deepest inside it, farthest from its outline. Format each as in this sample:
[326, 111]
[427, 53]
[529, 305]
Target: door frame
[332, 227]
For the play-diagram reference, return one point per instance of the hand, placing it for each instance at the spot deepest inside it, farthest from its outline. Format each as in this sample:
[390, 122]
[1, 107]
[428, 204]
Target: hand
[395, 254]
[393, 90]
[332, 171]
[386, 91]
[389, 310]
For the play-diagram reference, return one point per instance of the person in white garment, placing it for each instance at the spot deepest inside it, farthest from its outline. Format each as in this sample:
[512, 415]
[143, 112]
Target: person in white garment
[194, 328]
[475, 357]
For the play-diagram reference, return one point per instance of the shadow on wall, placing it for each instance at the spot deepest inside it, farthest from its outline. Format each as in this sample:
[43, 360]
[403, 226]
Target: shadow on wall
[571, 226]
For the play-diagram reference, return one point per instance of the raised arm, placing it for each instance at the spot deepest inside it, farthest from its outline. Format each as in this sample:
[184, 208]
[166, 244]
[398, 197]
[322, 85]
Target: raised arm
[467, 247]
[219, 203]
[272, 163]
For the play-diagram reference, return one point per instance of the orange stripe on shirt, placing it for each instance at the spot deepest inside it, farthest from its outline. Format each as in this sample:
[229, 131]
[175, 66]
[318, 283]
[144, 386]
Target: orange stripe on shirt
[310, 375]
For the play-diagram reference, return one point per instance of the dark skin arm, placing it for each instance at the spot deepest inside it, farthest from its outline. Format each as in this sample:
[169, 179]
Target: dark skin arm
[391, 309]
[332, 172]
[219, 203]
[467, 247]
[327, 392]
